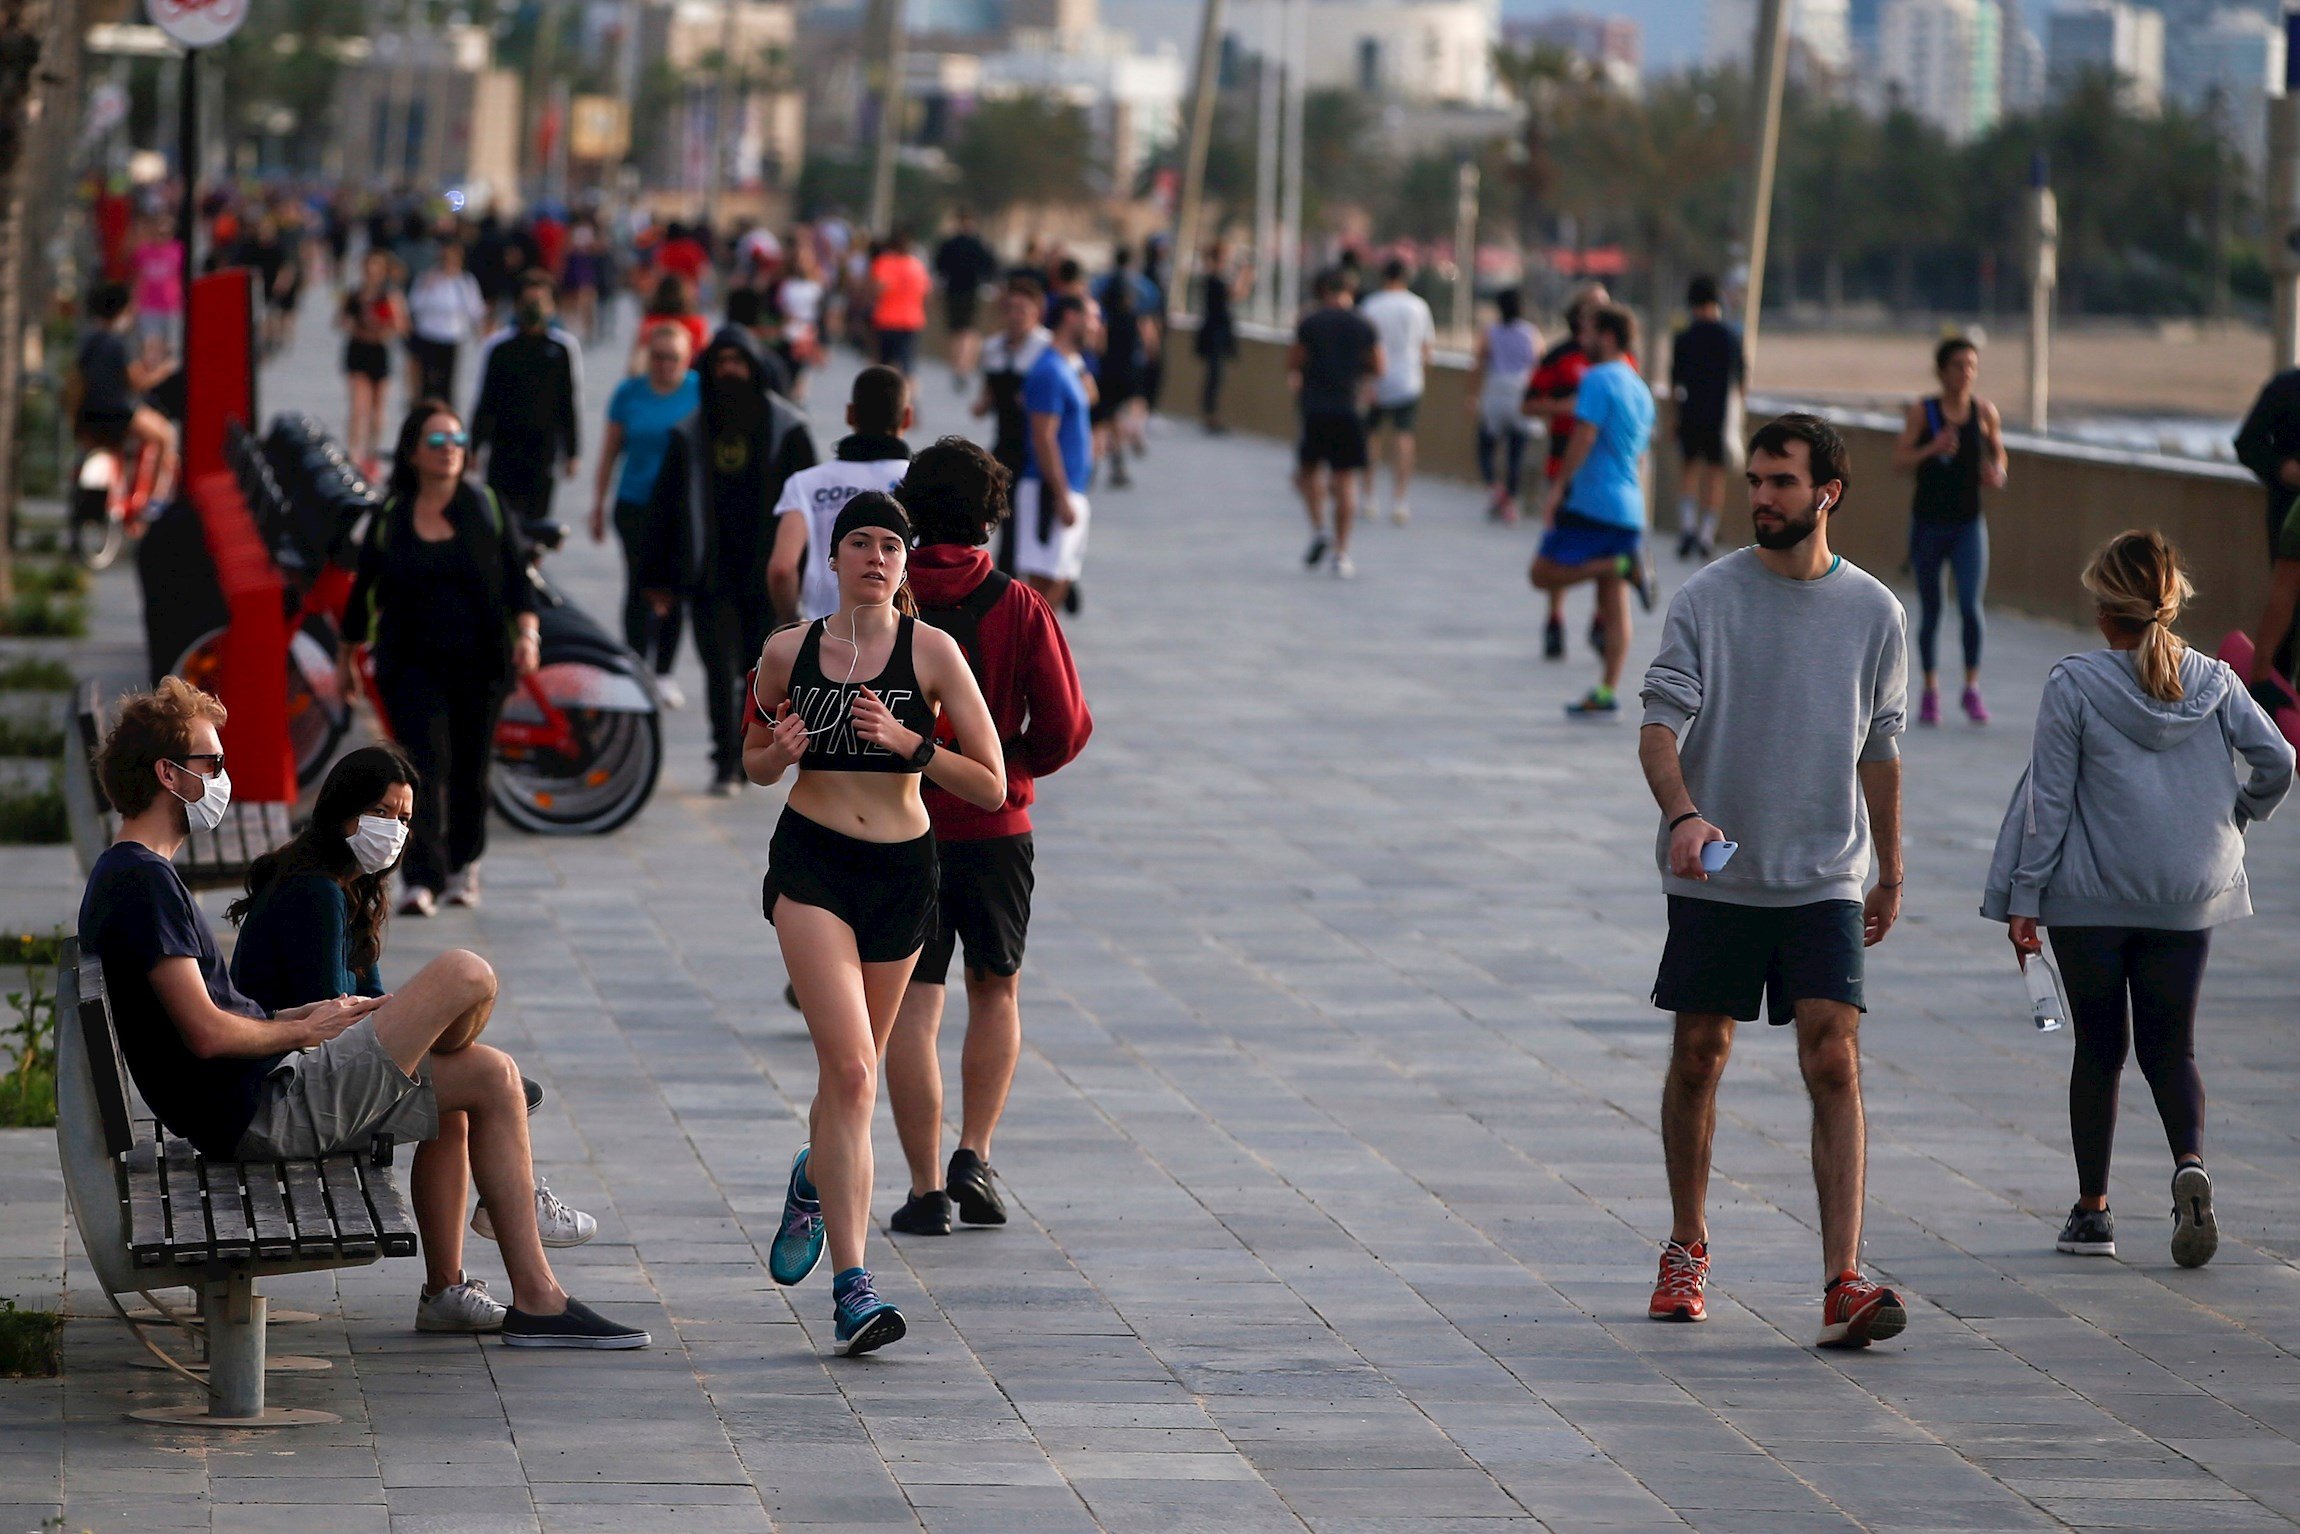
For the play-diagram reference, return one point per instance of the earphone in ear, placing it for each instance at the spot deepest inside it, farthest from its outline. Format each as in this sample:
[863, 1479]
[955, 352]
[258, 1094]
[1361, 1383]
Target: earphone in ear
[1827, 501]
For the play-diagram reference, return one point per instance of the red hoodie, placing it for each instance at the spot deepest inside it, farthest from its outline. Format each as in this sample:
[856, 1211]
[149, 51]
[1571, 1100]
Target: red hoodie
[1028, 679]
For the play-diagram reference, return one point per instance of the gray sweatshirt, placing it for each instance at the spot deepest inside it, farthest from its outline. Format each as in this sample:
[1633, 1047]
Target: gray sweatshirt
[1776, 691]
[2129, 814]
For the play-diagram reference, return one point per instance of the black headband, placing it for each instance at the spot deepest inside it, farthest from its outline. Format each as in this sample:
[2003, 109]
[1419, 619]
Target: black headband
[871, 509]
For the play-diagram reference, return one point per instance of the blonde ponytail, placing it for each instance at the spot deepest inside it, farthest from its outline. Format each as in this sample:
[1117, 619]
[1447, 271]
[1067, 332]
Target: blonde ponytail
[2138, 584]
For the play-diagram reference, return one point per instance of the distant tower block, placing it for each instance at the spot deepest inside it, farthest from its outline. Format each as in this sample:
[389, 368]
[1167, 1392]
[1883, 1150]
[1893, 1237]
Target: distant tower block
[1070, 20]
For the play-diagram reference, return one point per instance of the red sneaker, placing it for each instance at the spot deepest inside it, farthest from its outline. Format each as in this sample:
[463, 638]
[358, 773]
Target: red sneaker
[1677, 1292]
[1855, 1311]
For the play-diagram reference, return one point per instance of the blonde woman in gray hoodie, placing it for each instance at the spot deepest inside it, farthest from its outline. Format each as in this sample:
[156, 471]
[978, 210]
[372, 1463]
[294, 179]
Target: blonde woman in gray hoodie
[2126, 838]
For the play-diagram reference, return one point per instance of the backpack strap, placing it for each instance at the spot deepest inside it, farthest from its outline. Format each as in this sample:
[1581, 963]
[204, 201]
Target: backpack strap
[962, 620]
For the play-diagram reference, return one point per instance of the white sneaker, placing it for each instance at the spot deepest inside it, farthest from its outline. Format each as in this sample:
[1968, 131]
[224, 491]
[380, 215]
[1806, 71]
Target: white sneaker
[463, 1306]
[672, 694]
[727, 788]
[1345, 567]
[417, 902]
[463, 887]
[1401, 514]
[558, 1223]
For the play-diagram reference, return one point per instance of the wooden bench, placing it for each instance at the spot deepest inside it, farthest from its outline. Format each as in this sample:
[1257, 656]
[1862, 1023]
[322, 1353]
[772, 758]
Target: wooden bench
[153, 1212]
[215, 859]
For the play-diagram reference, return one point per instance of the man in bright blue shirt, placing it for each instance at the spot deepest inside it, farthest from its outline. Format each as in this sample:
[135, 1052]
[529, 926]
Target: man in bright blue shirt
[1050, 508]
[1595, 508]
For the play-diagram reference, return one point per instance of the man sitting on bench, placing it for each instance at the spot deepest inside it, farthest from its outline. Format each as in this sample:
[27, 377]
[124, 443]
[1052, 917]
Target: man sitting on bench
[310, 1081]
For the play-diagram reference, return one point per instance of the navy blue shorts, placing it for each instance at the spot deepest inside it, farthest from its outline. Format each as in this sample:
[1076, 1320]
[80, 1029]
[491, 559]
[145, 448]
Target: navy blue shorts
[1577, 540]
[1723, 959]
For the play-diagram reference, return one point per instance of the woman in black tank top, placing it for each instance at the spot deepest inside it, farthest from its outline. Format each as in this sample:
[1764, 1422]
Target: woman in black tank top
[1954, 444]
[856, 702]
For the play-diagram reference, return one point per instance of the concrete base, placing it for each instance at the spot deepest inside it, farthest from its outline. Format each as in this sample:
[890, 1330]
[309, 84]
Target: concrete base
[197, 1416]
[278, 1363]
[151, 1317]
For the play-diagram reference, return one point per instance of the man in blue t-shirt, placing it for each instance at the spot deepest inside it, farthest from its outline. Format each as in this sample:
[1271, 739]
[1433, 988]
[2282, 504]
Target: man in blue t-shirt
[1050, 509]
[1595, 508]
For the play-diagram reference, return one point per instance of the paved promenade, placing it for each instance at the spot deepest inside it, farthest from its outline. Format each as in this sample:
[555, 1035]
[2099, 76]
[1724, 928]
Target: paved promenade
[1333, 1157]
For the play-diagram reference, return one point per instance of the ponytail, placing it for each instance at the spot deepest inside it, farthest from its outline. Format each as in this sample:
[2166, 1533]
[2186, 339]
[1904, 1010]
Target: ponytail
[2138, 584]
[904, 602]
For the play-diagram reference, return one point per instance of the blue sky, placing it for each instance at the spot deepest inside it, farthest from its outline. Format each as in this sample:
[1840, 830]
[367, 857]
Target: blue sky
[1673, 28]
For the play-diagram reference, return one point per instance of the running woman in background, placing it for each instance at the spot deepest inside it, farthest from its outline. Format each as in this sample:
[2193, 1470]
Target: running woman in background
[853, 701]
[1506, 351]
[1705, 367]
[373, 316]
[1954, 443]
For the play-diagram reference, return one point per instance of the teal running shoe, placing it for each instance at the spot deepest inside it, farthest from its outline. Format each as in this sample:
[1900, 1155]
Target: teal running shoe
[862, 1322]
[798, 1243]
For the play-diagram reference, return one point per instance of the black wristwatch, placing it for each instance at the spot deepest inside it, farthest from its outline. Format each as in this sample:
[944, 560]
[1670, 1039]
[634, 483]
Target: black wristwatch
[918, 759]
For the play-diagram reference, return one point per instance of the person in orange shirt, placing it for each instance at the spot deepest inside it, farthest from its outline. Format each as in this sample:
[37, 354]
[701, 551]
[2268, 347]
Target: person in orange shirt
[899, 284]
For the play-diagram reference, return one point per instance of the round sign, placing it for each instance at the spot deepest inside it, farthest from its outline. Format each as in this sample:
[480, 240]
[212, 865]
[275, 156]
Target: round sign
[197, 23]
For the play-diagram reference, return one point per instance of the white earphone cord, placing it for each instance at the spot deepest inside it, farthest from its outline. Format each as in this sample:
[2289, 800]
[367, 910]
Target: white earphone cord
[852, 666]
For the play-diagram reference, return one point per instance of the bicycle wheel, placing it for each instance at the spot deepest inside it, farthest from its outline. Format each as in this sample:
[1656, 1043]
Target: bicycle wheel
[317, 715]
[95, 537]
[582, 759]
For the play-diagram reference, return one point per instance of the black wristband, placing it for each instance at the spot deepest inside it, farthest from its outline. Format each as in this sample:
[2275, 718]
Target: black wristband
[1680, 820]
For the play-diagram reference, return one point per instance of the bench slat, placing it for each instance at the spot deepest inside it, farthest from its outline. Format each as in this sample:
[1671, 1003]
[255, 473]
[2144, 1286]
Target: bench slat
[314, 1229]
[190, 1241]
[147, 1211]
[227, 1210]
[274, 1231]
[355, 1231]
[394, 1226]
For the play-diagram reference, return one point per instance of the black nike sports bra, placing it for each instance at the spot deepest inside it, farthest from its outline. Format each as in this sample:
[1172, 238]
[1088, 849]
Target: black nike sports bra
[827, 705]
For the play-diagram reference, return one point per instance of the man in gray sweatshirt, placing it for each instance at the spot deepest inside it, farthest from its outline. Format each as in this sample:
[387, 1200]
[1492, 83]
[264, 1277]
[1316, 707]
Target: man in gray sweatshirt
[1772, 716]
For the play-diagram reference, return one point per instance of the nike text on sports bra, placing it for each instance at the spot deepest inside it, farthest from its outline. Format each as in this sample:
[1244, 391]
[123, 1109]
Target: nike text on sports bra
[828, 706]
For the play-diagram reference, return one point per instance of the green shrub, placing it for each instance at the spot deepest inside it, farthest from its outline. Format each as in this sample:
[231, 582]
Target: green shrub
[39, 950]
[31, 1342]
[31, 673]
[34, 815]
[60, 580]
[37, 615]
[30, 737]
[28, 1091]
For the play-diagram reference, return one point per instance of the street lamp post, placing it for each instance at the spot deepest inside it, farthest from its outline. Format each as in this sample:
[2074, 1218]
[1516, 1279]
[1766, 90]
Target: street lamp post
[889, 120]
[1465, 249]
[2284, 206]
[2043, 277]
[1194, 156]
[1772, 71]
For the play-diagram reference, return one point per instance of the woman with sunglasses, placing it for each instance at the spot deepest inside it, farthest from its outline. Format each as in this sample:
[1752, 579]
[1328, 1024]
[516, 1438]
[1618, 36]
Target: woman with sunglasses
[442, 590]
[857, 702]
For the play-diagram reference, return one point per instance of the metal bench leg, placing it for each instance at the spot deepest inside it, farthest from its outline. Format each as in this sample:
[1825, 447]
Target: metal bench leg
[235, 1335]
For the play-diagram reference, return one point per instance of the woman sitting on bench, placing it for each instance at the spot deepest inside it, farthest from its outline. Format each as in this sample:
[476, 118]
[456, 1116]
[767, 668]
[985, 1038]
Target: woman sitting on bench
[315, 1080]
[311, 927]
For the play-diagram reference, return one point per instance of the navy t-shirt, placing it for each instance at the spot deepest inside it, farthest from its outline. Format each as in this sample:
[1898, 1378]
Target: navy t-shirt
[136, 913]
[295, 945]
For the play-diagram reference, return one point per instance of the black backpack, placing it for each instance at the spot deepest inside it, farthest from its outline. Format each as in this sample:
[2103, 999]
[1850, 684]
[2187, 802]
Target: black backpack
[963, 620]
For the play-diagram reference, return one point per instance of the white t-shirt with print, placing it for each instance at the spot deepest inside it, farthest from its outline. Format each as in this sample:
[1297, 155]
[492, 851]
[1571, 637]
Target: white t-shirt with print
[820, 494]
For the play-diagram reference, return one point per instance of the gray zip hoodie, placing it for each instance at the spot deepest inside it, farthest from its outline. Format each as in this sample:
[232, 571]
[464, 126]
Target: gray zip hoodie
[2129, 814]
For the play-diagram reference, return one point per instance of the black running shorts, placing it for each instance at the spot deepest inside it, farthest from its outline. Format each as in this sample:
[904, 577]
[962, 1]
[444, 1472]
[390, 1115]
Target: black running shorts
[985, 904]
[1697, 443]
[1403, 417]
[1336, 439]
[1722, 959]
[885, 891]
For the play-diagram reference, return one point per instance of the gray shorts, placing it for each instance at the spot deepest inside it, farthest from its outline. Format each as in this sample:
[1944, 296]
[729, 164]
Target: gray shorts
[336, 1098]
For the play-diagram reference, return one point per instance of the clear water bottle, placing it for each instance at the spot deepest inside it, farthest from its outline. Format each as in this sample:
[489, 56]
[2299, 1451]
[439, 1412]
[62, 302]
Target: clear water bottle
[2046, 1007]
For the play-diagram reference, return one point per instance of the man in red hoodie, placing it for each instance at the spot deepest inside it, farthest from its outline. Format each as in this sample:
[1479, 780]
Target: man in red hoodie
[955, 494]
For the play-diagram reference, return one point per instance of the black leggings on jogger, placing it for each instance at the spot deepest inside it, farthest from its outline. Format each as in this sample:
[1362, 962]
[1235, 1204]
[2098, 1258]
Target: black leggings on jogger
[2131, 987]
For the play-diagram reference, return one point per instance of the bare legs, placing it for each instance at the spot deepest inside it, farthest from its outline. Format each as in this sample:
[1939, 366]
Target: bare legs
[365, 427]
[1612, 603]
[987, 1062]
[439, 1186]
[1829, 1056]
[1313, 483]
[850, 1010]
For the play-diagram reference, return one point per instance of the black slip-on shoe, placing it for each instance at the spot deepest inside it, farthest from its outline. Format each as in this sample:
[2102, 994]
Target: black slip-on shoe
[969, 1183]
[535, 1094]
[922, 1214]
[578, 1326]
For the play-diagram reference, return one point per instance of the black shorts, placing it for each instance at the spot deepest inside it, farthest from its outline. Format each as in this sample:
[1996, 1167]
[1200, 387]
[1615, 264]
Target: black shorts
[1401, 416]
[1722, 959]
[985, 905]
[1333, 439]
[368, 359]
[958, 306]
[1701, 444]
[898, 349]
[885, 891]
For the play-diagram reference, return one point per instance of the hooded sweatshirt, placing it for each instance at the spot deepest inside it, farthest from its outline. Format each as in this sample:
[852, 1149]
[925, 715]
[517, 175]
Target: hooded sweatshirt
[2129, 814]
[711, 523]
[1027, 677]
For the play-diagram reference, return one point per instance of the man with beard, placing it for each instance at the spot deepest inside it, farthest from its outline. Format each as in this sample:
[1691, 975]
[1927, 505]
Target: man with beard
[708, 537]
[1772, 715]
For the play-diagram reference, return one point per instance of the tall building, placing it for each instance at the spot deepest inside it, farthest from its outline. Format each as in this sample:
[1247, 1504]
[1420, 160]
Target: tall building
[1398, 50]
[2229, 67]
[2023, 73]
[2109, 35]
[1943, 60]
[1823, 28]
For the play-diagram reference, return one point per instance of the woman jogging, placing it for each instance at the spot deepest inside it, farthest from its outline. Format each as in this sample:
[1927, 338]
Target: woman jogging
[374, 315]
[852, 701]
[641, 416]
[2126, 838]
[311, 927]
[1955, 445]
[1506, 353]
[442, 587]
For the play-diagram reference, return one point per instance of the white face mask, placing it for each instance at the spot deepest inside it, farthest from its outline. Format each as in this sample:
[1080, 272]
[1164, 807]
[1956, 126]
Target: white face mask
[376, 842]
[207, 811]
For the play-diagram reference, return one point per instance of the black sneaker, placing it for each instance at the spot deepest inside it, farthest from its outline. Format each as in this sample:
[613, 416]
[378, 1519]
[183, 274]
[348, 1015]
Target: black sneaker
[791, 996]
[1638, 570]
[1071, 601]
[535, 1093]
[1317, 551]
[2088, 1233]
[2195, 1234]
[1687, 546]
[578, 1326]
[922, 1214]
[1553, 640]
[968, 1181]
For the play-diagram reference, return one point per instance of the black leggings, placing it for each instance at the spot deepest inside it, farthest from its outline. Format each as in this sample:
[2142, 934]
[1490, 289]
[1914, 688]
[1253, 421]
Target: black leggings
[1211, 367]
[2161, 973]
[645, 632]
[444, 719]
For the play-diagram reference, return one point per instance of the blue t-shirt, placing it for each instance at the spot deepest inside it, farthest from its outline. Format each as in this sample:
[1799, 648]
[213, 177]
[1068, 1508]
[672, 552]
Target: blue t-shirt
[648, 419]
[1053, 387]
[1606, 487]
[136, 913]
